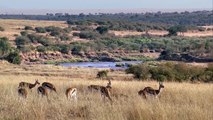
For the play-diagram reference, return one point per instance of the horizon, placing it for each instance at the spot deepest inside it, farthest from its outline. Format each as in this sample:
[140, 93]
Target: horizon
[101, 6]
[90, 11]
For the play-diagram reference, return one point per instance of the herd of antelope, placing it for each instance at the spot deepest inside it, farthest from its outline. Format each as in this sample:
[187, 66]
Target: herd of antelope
[71, 92]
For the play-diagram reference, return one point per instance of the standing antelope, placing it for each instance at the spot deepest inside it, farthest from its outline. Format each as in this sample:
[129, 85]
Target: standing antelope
[71, 93]
[42, 90]
[28, 85]
[49, 86]
[22, 92]
[106, 91]
[148, 91]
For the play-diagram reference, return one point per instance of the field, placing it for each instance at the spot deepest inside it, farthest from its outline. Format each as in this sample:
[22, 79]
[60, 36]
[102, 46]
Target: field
[14, 27]
[178, 101]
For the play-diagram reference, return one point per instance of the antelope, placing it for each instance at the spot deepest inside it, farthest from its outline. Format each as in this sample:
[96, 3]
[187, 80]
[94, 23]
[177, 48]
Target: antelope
[28, 85]
[71, 93]
[148, 91]
[42, 90]
[22, 92]
[106, 91]
[94, 87]
[49, 86]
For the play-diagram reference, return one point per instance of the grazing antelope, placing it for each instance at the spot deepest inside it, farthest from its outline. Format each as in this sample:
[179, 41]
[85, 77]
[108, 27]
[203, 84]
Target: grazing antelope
[71, 93]
[28, 85]
[49, 86]
[22, 92]
[148, 91]
[42, 90]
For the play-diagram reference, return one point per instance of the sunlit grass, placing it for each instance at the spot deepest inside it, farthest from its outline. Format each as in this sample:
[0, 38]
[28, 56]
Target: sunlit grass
[178, 101]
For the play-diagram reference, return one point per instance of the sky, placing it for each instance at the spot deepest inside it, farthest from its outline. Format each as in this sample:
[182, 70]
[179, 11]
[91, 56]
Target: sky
[104, 4]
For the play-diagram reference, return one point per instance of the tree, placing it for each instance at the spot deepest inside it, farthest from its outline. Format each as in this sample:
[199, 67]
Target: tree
[1, 28]
[4, 46]
[175, 29]
[102, 74]
[139, 71]
[14, 57]
[102, 29]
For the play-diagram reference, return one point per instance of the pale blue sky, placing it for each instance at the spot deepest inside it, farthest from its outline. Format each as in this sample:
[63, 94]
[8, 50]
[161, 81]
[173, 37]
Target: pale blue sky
[105, 4]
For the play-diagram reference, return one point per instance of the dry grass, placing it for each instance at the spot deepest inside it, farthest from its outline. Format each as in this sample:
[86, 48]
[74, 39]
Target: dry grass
[14, 27]
[182, 101]
[162, 33]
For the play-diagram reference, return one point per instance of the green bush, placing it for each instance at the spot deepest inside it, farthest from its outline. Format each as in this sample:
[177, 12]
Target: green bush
[23, 33]
[102, 74]
[4, 46]
[102, 29]
[179, 72]
[22, 40]
[41, 49]
[14, 58]
[139, 71]
[28, 28]
[40, 30]
[2, 29]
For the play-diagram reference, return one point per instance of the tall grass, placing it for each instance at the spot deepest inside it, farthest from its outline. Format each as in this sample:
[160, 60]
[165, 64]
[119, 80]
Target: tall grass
[183, 101]
[178, 101]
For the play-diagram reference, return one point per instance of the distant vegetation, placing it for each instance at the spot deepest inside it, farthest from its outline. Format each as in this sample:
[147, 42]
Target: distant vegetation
[8, 53]
[171, 72]
[96, 36]
[1, 28]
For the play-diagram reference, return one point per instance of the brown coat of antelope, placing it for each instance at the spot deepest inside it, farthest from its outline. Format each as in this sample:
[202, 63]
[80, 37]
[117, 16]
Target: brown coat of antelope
[28, 85]
[105, 91]
[148, 91]
[42, 90]
[49, 86]
[22, 92]
[71, 93]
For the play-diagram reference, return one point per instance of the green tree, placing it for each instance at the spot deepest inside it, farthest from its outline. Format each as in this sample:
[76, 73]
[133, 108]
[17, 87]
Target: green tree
[175, 29]
[102, 29]
[1, 28]
[4, 46]
[14, 57]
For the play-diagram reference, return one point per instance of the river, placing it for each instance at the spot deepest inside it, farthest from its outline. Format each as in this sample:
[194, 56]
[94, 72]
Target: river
[112, 65]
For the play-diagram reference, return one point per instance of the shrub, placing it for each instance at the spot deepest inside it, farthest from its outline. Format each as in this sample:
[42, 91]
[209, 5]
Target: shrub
[4, 46]
[139, 71]
[2, 29]
[40, 30]
[102, 74]
[23, 33]
[41, 49]
[65, 37]
[22, 40]
[44, 41]
[89, 35]
[174, 29]
[65, 49]
[14, 58]
[28, 28]
[102, 29]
